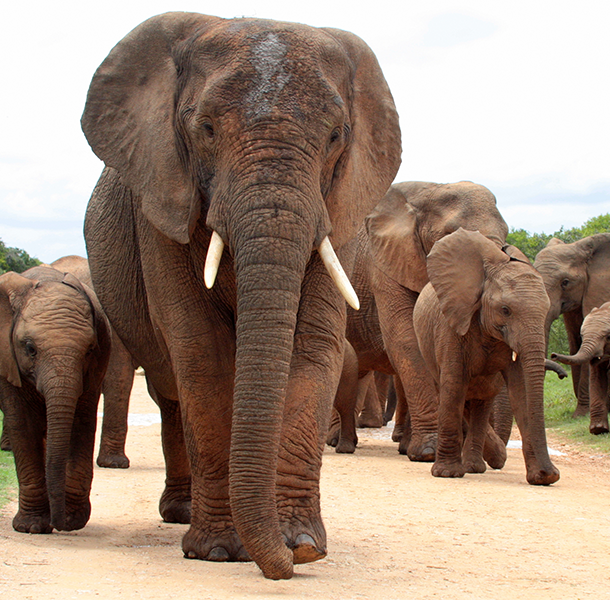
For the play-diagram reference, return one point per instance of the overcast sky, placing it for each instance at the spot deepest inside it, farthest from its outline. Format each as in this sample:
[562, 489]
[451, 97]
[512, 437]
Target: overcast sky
[512, 95]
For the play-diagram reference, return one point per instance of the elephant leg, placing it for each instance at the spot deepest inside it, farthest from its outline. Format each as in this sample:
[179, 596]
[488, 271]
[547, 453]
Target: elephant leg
[580, 376]
[502, 415]
[116, 389]
[448, 461]
[314, 376]
[175, 502]
[402, 419]
[478, 422]
[371, 414]
[494, 449]
[5, 442]
[343, 424]
[390, 406]
[79, 471]
[27, 429]
[598, 387]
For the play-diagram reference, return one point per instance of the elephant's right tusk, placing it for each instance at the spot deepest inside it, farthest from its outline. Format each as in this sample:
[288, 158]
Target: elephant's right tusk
[514, 356]
[212, 260]
[335, 270]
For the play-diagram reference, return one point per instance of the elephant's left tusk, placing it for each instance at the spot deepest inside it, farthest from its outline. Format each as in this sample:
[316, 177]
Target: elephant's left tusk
[335, 270]
[514, 356]
[212, 260]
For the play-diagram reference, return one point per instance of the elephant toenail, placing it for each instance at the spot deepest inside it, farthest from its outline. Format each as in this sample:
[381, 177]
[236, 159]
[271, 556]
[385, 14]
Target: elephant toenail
[191, 554]
[304, 539]
[243, 556]
[218, 554]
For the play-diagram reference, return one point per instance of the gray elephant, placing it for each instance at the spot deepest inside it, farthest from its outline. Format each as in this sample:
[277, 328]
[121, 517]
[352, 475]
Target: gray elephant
[480, 321]
[594, 352]
[238, 154]
[117, 383]
[577, 278]
[389, 274]
[54, 349]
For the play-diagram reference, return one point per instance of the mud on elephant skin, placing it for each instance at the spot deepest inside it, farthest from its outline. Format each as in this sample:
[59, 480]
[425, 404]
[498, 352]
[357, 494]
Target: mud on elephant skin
[54, 349]
[577, 278]
[389, 274]
[595, 352]
[117, 384]
[480, 321]
[267, 143]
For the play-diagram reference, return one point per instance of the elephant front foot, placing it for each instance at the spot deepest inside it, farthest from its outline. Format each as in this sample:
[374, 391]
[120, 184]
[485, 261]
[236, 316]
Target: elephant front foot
[475, 464]
[221, 546]
[448, 469]
[346, 446]
[24, 522]
[398, 432]
[370, 420]
[112, 460]
[332, 438]
[543, 476]
[598, 426]
[175, 503]
[306, 539]
[420, 448]
[494, 451]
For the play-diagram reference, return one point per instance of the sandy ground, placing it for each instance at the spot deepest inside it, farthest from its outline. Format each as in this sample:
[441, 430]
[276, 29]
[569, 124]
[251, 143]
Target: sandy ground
[395, 532]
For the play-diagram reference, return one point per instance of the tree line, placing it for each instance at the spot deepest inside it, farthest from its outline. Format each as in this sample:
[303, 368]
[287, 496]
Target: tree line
[15, 259]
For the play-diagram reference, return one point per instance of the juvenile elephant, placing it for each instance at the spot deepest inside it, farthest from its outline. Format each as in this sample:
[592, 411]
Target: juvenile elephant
[117, 384]
[271, 141]
[595, 352]
[577, 278]
[481, 320]
[389, 274]
[54, 349]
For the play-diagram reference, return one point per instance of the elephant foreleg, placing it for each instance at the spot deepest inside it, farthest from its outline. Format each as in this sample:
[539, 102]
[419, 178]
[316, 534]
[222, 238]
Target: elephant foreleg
[598, 379]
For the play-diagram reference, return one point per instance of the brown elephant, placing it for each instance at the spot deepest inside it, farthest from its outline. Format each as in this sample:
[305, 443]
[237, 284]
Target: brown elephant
[481, 321]
[389, 274]
[594, 351]
[54, 349]
[577, 278]
[271, 141]
[117, 383]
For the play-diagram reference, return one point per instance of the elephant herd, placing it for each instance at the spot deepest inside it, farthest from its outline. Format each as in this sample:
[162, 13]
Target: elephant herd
[250, 253]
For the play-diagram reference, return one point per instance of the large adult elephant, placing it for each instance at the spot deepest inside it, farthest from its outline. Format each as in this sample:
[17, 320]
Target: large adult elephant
[117, 384]
[54, 349]
[595, 352]
[577, 278]
[273, 141]
[390, 272]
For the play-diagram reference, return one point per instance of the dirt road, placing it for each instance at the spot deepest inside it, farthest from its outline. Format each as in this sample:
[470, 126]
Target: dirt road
[395, 533]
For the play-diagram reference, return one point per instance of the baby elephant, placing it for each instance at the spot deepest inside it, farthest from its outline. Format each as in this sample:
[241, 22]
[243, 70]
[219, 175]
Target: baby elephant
[595, 351]
[478, 322]
[54, 348]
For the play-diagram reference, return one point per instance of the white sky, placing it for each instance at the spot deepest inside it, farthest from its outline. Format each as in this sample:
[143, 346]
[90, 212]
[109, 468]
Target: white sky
[513, 95]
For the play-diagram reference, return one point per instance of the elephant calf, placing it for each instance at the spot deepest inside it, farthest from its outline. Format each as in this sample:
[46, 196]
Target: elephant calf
[54, 349]
[480, 321]
[595, 352]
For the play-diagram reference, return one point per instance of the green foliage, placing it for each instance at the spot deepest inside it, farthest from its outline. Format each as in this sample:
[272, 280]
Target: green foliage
[529, 243]
[15, 259]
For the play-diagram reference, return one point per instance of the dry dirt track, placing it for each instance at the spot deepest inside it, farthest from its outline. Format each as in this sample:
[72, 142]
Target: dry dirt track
[394, 531]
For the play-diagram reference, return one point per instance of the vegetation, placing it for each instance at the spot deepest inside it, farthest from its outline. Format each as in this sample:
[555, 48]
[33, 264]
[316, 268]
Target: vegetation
[15, 259]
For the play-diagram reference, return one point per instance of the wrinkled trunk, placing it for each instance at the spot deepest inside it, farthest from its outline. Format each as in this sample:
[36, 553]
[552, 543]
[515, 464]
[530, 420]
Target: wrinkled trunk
[271, 254]
[588, 351]
[61, 396]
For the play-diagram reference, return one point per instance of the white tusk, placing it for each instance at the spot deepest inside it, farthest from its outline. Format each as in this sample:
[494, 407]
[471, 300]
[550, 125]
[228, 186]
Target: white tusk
[212, 260]
[335, 270]
[514, 356]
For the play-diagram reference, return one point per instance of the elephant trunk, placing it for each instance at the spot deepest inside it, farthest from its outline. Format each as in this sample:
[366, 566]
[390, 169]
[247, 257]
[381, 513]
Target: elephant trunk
[540, 469]
[589, 350]
[61, 394]
[269, 270]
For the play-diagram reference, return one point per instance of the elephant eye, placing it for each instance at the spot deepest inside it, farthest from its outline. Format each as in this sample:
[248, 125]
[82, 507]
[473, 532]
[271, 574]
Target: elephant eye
[30, 349]
[565, 283]
[208, 129]
[335, 135]
[506, 311]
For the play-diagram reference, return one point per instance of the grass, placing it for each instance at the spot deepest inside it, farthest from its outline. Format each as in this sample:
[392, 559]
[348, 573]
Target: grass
[559, 404]
[8, 477]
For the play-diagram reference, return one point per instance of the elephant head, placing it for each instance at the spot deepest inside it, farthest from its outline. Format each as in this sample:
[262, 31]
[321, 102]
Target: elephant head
[476, 282]
[277, 137]
[52, 332]
[594, 352]
[414, 215]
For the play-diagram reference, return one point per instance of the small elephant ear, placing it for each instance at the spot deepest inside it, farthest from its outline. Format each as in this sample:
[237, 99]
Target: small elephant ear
[13, 288]
[394, 242]
[598, 270]
[369, 164]
[515, 254]
[457, 266]
[129, 120]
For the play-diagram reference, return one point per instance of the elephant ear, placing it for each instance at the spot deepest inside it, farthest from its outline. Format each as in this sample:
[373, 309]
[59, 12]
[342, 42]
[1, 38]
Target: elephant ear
[13, 288]
[515, 254]
[394, 241]
[598, 271]
[370, 162]
[129, 120]
[457, 266]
